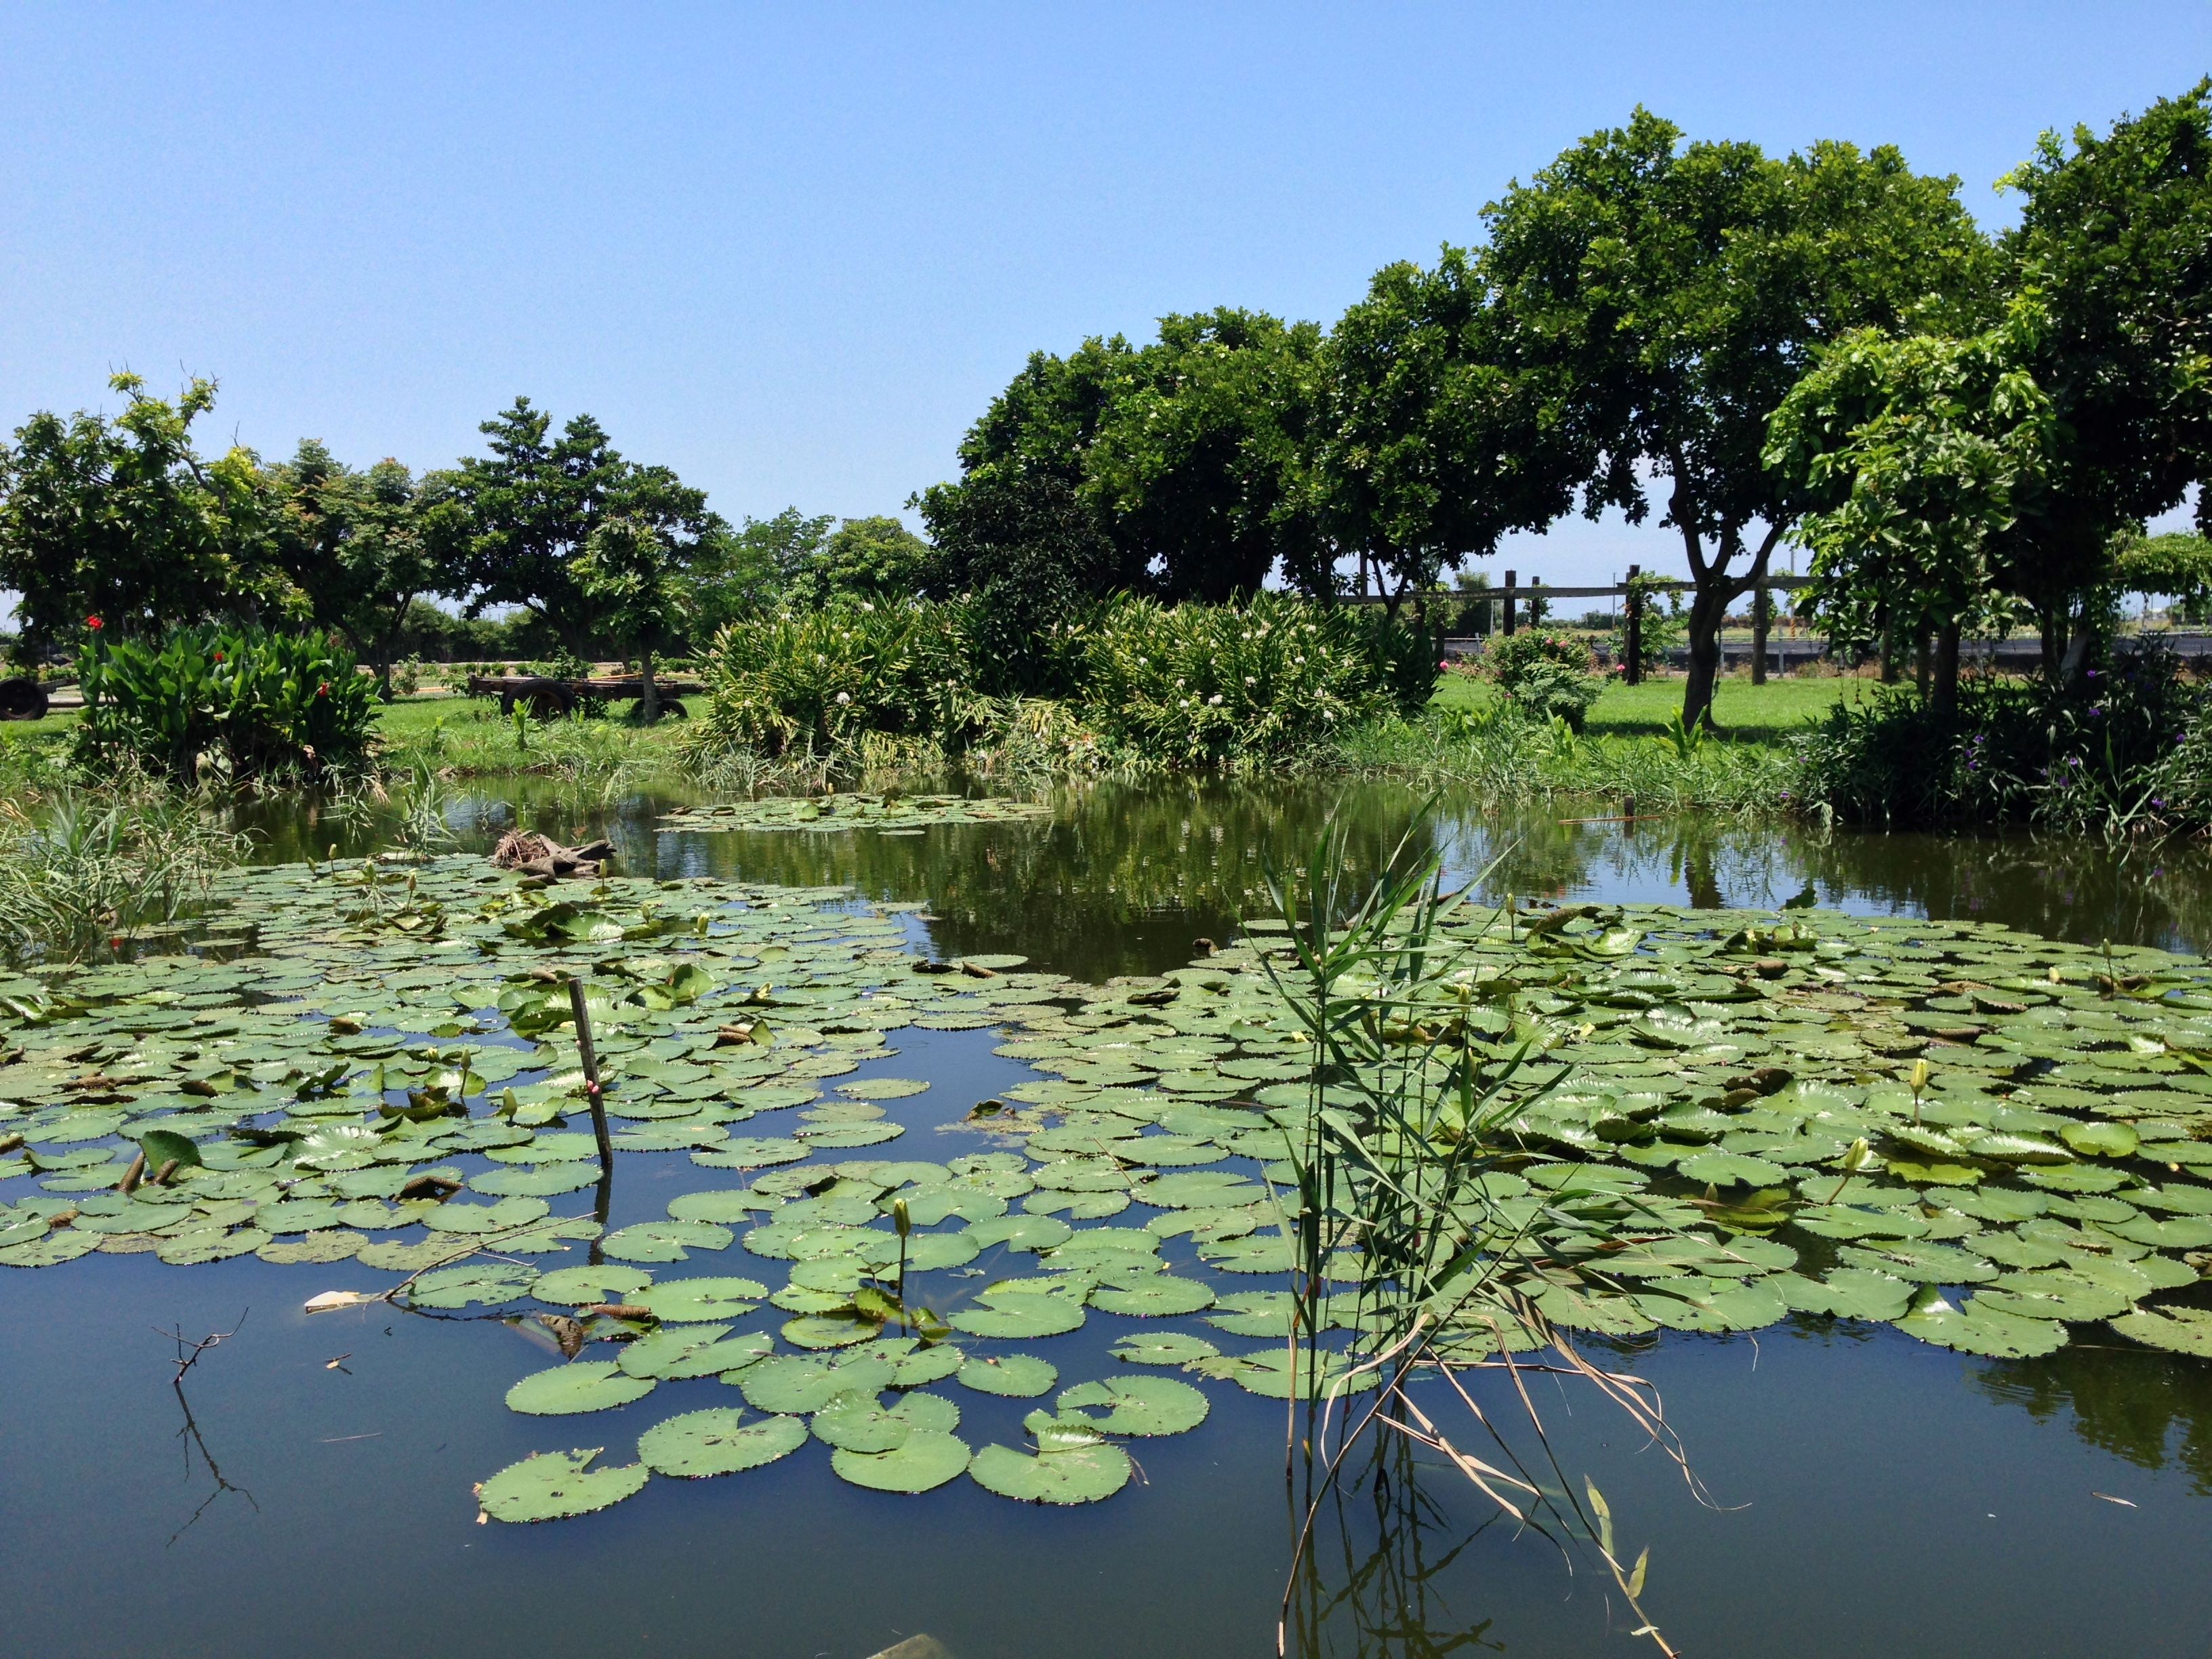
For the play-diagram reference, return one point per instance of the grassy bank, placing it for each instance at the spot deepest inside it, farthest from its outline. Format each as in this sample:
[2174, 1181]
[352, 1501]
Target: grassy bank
[1748, 713]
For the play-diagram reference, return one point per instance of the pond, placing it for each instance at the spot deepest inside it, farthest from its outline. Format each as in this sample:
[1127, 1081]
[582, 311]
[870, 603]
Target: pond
[307, 1487]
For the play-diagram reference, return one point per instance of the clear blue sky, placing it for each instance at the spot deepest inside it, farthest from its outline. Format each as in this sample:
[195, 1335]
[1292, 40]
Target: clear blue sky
[792, 251]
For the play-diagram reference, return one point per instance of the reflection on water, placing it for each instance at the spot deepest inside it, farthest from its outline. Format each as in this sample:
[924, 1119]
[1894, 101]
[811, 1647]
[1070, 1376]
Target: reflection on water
[1378, 1579]
[2154, 1410]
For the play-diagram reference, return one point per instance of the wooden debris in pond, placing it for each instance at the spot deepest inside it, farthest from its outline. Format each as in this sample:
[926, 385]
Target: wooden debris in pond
[535, 855]
[437, 1186]
[132, 1176]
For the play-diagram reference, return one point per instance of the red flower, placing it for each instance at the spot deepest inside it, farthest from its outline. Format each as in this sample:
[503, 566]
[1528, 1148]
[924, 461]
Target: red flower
[94, 624]
[116, 943]
[218, 656]
[323, 689]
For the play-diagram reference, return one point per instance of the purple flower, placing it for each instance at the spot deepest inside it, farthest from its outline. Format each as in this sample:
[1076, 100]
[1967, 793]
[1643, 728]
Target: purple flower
[2095, 710]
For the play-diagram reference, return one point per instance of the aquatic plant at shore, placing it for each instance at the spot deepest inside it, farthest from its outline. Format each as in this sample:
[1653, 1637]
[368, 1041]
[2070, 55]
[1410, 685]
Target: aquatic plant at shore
[81, 872]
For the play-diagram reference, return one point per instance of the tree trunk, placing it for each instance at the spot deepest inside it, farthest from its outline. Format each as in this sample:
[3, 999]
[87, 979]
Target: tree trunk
[1946, 694]
[1708, 606]
[1888, 650]
[1920, 665]
[650, 702]
[1762, 613]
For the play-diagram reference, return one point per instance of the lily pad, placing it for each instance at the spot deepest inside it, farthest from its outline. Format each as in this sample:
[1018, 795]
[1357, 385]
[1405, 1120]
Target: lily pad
[554, 1485]
[1079, 1474]
[718, 1441]
[688, 1300]
[583, 1385]
[1138, 1405]
[926, 1460]
[1015, 1375]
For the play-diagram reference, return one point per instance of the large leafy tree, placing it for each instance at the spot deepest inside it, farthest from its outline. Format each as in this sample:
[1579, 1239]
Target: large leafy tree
[123, 519]
[363, 546]
[1431, 449]
[1200, 464]
[1916, 456]
[875, 558]
[534, 501]
[1673, 294]
[1027, 556]
[1189, 458]
[2116, 238]
[636, 581]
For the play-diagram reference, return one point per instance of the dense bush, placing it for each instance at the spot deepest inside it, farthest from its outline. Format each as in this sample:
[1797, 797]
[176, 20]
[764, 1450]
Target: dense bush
[2122, 751]
[1195, 685]
[815, 680]
[1547, 675]
[227, 703]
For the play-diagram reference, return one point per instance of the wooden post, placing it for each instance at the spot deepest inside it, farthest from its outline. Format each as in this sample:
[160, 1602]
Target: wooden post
[1511, 577]
[1632, 635]
[1762, 611]
[591, 1091]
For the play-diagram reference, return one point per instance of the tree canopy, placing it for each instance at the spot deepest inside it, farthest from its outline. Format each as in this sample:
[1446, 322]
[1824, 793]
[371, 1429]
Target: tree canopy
[1672, 295]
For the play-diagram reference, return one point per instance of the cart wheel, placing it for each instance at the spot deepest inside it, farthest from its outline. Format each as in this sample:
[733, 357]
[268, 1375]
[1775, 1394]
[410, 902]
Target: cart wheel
[22, 699]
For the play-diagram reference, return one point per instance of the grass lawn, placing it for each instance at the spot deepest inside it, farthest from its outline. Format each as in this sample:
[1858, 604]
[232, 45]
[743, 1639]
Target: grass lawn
[1764, 714]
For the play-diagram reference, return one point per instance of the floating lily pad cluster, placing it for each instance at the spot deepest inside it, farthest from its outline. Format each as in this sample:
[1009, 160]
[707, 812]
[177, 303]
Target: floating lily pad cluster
[820, 812]
[1981, 1137]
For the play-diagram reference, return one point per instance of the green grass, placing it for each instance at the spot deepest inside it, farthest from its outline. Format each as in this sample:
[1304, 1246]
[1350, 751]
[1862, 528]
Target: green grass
[1757, 714]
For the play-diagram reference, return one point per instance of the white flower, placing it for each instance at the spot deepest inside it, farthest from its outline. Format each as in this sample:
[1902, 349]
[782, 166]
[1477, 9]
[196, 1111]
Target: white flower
[1249, 680]
[1300, 661]
[1214, 702]
[844, 697]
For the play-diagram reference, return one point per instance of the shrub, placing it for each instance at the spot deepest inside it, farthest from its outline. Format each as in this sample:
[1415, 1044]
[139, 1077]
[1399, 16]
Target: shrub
[235, 702]
[817, 680]
[2122, 751]
[1547, 675]
[1195, 685]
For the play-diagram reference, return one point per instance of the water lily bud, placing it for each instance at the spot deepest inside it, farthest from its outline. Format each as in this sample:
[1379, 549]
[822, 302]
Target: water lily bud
[900, 1218]
[1856, 1156]
[1921, 1073]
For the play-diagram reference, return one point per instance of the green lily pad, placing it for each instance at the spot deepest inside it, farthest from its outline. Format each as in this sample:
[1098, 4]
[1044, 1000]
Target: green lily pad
[926, 1460]
[664, 1240]
[2177, 1330]
[718, 1441]
[1137, 1405]
[1998, 1335]
[582, 1385]
[678, 1351]
[473, 1284]
[1015, 1375]
[577, 1287]
[800, 1384]
[690, 1301]
[1160, 1348]
[554, 1485]
[1020, 1316]
[1078, 1476]
[1160, 1295]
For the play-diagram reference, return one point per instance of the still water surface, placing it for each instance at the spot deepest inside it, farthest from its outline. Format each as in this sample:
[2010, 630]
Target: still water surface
[1869, 1494]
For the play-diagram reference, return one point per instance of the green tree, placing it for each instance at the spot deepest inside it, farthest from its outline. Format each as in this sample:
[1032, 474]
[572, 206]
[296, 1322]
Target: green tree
[634, 576]
[364, 546]
[1915, 456]
[1201, 463]
[1029, 559]
[874, 558]
[122, 519]
[2113, 236]
[1432, 449]
[738, 575]
[1670, 295]
[533, 502]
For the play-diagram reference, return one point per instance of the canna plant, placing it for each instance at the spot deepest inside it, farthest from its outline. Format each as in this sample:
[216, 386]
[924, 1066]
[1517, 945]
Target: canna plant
[225, 703]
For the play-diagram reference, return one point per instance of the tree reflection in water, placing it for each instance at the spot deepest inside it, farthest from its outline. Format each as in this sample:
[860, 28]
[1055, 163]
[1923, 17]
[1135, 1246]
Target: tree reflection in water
[2153, 1409]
